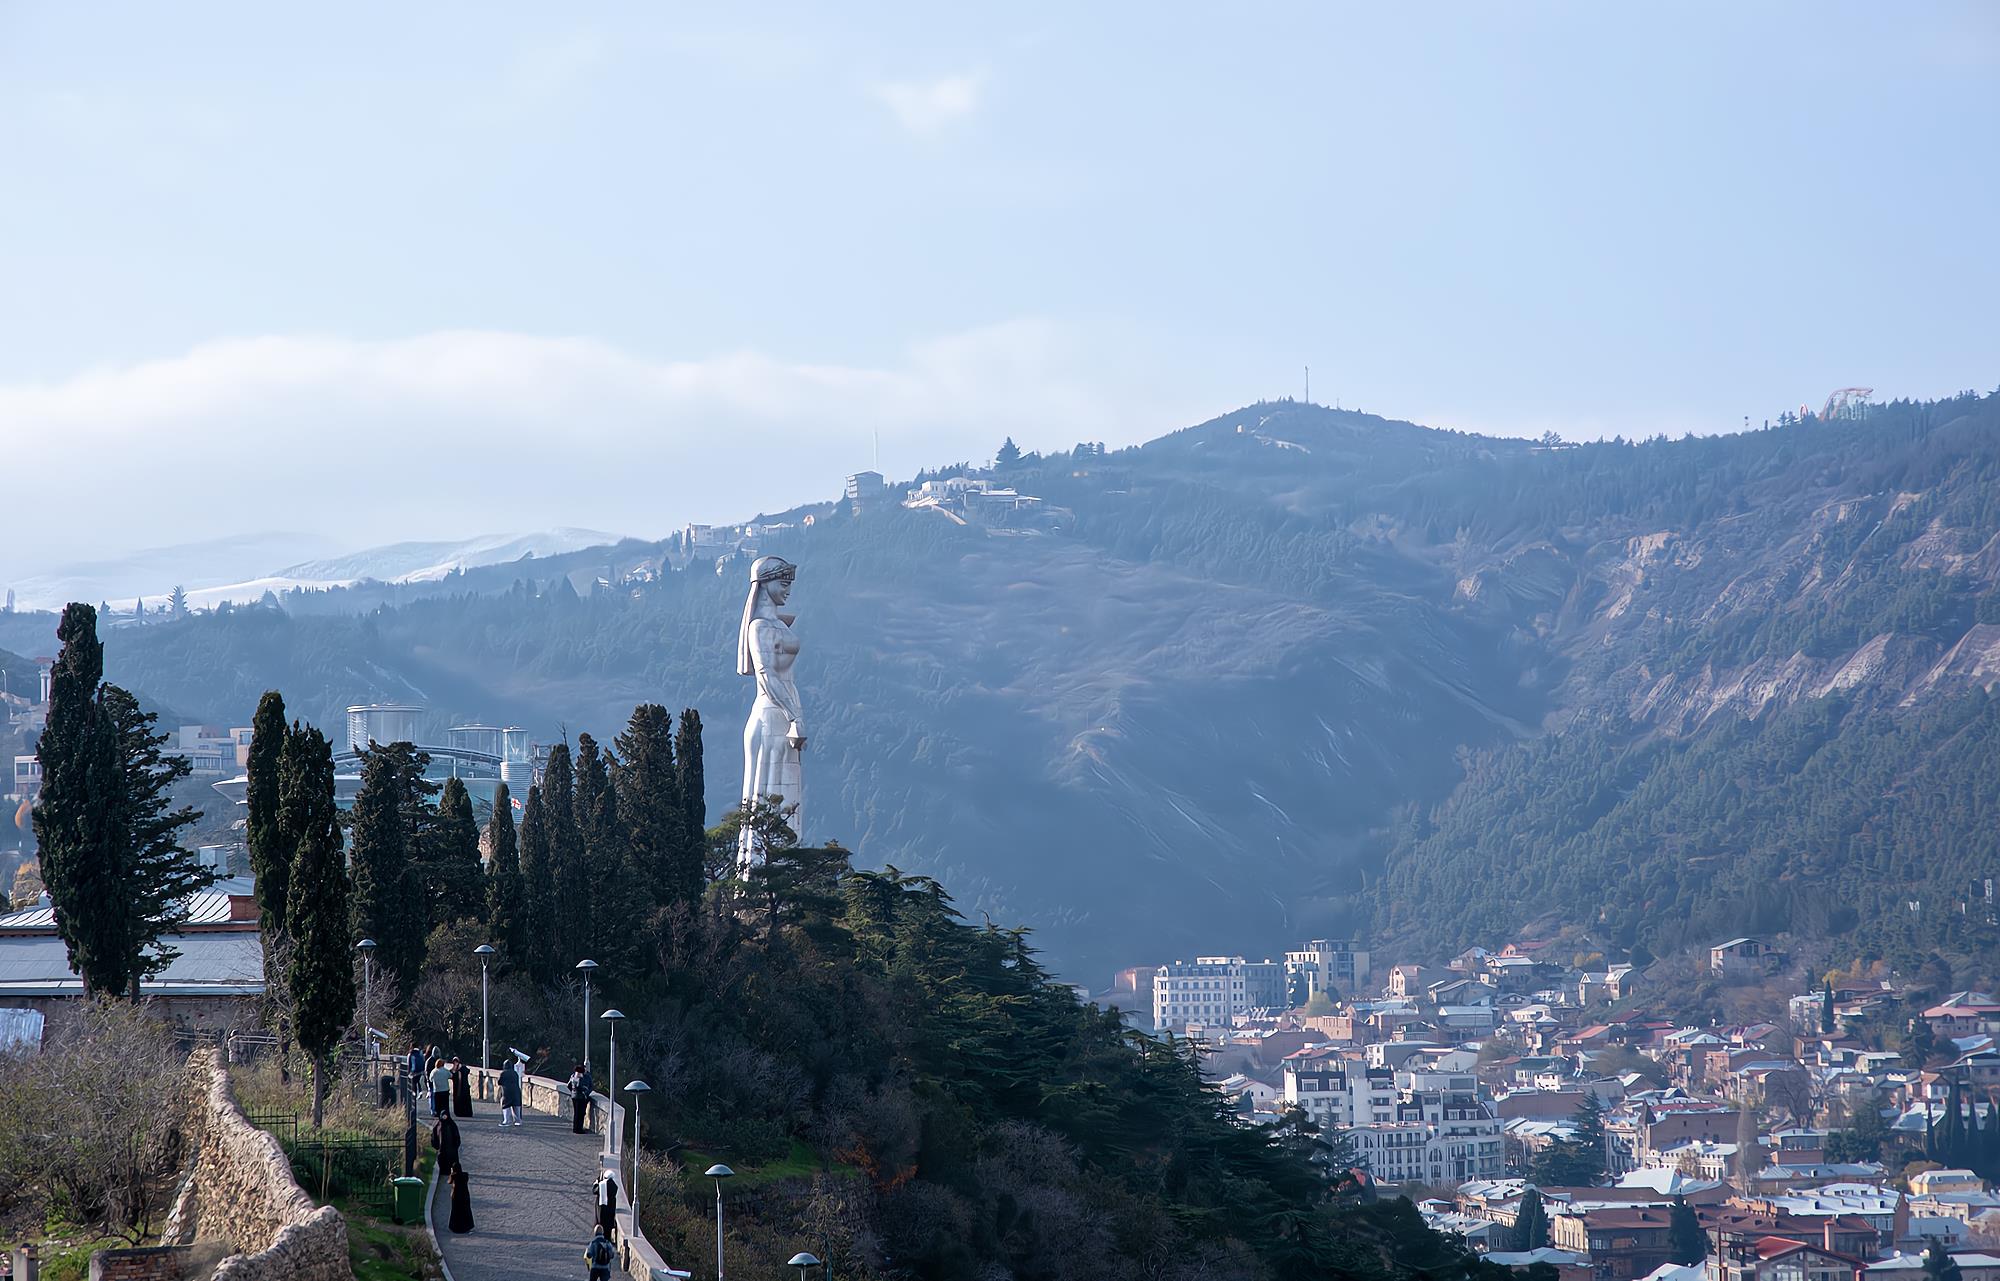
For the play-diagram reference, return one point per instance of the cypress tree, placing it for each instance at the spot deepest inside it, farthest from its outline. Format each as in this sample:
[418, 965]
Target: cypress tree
[72, 829]
[455, 888]
[321, 975]
[1826, 1009]
[379, 861]
[1686, 1243]
[567, 864]
[503, 879]
[613, 912]
[538, 890]
[271, 849]
[650, 805]
[693, 796]
[155, 872]
[1531, 1222]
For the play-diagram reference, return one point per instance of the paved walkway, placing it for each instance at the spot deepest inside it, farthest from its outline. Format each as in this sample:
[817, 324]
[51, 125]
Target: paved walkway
[531, 1198]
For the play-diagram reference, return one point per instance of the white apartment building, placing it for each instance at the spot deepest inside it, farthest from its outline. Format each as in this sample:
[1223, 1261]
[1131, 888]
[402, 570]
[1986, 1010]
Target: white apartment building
[1212, 990]
[1411, 1127]
[27, 777]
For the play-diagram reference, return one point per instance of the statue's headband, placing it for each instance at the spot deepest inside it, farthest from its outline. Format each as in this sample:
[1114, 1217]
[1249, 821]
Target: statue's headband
[777, 569]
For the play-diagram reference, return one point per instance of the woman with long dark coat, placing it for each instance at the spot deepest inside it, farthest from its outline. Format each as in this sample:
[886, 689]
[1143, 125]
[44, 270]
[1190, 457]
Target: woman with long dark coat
[444, 1137]
[607, 1205]
[461, 1201]
[461, 1088]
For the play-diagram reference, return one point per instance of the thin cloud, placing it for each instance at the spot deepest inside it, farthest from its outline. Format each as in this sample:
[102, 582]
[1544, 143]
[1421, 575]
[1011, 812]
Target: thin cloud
[448, 433]
[927, 108]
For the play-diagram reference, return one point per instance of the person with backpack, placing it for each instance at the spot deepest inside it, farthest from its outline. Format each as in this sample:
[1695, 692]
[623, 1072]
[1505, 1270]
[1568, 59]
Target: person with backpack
[579, 1097]
[600, 1254]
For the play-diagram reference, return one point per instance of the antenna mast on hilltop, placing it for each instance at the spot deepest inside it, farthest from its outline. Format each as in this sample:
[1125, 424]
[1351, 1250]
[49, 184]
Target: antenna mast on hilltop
[875, 434]
[1309, 384]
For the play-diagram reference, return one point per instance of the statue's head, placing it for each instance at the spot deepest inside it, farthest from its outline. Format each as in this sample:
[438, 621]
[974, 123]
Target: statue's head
[775, 575]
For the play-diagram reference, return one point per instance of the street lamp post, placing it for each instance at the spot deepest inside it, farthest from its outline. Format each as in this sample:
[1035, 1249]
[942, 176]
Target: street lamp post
[586, 967]
[635, 1089]
[367, 949]
[802, 1260]
[611, 1073]
[719, 1173]
[485, 953]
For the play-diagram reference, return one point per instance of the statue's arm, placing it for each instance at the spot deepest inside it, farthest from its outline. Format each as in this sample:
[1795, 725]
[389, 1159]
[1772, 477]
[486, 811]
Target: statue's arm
[764, 643]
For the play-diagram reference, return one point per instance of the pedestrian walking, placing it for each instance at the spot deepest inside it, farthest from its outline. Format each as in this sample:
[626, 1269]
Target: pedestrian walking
[441, 1090]
[589, 1097]
[607, 1204]
[510, 1093]
[445, 1138]
[579, 1097]
[417, 1067]
[461, 1201]
[461, 1088]
[600, 1254]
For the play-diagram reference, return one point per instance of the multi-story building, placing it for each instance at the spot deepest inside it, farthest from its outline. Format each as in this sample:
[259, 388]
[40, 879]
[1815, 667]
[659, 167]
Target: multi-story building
[1328, 965]
[1208, 990]
[864, 486]
[1412, 1127]
[27, 777]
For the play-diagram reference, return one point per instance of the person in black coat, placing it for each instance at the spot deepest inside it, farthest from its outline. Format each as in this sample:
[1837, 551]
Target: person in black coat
[461, 1201]
[444, 1137]
[461, 1088]
[607, 1205]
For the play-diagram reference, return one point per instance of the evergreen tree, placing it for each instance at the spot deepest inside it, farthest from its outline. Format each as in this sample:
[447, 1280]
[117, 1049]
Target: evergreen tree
[616, 896]
[321, 976]
[538, 891]
[567, 864]
[1938, 1263]
[1687, 1244]
[1826, 1009]
[156, 873]
[383, 908]
[688, 772]
[1531, 1221]
[1008, 454]
[652, 809]
[454, 873]
[177, 603]
[1919, 1045]
[503, 879]
[73, 830]
[271, 848]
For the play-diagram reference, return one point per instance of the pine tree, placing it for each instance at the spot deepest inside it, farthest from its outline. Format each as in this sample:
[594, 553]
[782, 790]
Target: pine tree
[652, 809]
[1938, 1263]
[454, 873]
[538, 891]
[1919, 1045]
[177, 603]
[503, 879]
[380, 863]
[1826, 1009]
[321, 976]
[156, 873]
[1531, 1222]
[1687, 1244]
[271, 848]
[1008, 454]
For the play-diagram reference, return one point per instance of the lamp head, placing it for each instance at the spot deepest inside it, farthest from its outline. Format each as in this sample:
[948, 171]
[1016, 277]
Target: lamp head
[365, 945]
[637, 1087]
[586, 965]
[802, 1260]
[719, 1172]
[612, 1015]
[485, 949]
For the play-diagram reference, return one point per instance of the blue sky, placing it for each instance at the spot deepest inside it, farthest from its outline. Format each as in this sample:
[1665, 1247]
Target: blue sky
[430, 271]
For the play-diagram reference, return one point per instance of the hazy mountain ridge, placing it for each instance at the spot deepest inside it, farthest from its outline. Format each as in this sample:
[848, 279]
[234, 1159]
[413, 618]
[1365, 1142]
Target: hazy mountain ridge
[1203, 718]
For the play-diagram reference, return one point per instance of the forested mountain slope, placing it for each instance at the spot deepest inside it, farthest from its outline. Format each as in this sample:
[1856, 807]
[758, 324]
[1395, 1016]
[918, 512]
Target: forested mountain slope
[1298, 669]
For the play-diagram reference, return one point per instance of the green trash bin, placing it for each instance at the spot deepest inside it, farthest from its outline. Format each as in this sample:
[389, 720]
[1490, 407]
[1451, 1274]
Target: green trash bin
[409, 1200]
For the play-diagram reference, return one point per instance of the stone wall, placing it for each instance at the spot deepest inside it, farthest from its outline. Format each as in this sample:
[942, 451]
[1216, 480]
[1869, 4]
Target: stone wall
[242, 1193]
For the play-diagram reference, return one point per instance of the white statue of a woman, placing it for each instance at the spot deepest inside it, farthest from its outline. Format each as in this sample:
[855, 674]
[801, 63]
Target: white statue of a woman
[775, 734]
